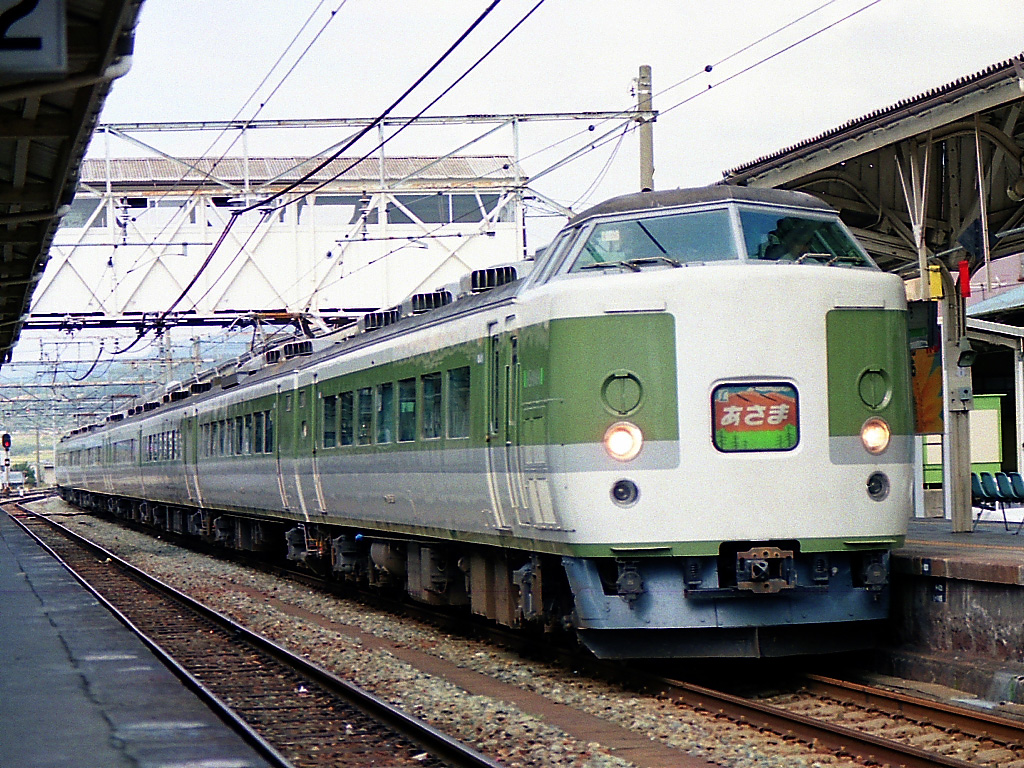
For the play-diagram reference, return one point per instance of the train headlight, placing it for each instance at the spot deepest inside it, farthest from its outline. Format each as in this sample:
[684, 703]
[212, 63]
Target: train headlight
[875, 435]
[623, 441]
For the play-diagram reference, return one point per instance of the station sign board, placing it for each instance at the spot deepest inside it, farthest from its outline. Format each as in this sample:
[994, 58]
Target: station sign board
[33, 39]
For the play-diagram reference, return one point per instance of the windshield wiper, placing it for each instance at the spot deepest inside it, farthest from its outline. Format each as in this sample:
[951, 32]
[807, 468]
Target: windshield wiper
[810, 255]
[654, 260]
[611, 264]
[847, 257]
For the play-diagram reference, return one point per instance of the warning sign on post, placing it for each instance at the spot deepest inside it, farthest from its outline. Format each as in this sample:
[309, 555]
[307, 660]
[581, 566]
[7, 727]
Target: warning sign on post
[32, 38]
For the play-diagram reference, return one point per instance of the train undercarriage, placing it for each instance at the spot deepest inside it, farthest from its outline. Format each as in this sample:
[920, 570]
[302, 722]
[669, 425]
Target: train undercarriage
[509, 587]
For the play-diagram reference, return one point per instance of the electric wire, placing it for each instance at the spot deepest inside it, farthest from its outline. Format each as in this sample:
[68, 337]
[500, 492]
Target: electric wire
[591, 146]
[320, 166]
[262, 204]
[208, 174]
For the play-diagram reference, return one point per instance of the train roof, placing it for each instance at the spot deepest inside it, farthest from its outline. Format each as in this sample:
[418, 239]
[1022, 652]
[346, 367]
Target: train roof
[672, 198]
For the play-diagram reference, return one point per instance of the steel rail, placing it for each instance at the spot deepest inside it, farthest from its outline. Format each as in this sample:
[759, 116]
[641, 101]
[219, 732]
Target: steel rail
[969, 721]
[431, 739]
[837, 738]
[219, 707]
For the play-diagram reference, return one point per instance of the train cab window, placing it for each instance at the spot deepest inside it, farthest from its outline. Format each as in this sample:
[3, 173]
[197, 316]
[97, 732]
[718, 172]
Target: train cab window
[777, 236]
[385, 412]
[346, 433]
[552, 256]
[658, 241]
[257, 432]
[458, 402]
[432, 408]
[406, 410]
[330, 432]
[365, 434]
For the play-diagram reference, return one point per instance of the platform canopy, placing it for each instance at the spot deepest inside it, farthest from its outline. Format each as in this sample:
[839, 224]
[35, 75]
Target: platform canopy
[932, 182]
[55, 73]
[916, 164]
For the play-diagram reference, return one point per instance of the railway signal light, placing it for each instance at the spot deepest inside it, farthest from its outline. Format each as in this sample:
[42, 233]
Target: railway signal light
[7, 441]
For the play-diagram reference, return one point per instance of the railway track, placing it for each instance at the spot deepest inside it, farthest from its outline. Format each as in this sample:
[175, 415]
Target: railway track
[860, 723]
[294, 712]
[866, 723]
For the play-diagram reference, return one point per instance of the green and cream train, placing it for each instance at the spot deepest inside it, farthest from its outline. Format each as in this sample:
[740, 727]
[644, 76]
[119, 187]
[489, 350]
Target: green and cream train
[686, 431]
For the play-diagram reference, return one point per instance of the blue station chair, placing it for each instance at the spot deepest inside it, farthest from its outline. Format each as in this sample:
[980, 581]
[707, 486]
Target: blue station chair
[980, 499]
[1017, 483]
[991, 489]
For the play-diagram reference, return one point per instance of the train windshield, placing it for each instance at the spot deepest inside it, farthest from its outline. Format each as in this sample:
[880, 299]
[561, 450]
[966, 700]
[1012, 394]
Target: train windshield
[779, 236]
[658, 240]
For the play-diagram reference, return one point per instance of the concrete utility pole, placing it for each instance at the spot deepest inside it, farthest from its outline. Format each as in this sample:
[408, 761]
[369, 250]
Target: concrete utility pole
[643, 105]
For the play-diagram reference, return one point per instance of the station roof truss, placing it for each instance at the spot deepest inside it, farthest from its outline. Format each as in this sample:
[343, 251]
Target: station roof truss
[45, 126]
[915, 168]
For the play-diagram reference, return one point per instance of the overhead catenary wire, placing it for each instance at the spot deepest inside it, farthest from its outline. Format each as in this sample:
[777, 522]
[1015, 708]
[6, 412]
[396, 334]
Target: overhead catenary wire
[595, 144]
[263, 203]
[176, 185]
[320, 166]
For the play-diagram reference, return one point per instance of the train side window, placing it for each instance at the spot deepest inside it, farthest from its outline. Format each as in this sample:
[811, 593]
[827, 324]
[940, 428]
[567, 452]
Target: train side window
[458, 402]
[385, 412]
[269, 432]
[406, 410]
[330, 436]
[222, 441]
[247, 443]
[239, 435]
[365, 434]
[302, 398]
[288, 402]
[257, 432]
[347, 432]
[432, 408]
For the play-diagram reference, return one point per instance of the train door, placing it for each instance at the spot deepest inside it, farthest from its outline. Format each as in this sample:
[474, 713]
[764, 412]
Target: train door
[503, 464]
[287, 448]
[190, 457]
[312, 441]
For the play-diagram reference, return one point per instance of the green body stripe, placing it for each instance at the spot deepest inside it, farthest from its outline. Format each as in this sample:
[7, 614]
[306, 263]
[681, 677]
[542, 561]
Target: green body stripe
[868, 370]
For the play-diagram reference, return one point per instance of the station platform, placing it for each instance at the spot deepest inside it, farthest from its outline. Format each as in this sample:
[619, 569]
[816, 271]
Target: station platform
[958, 608]
[77, 688]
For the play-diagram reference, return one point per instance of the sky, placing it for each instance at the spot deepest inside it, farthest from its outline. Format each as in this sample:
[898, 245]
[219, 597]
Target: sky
[203, 60]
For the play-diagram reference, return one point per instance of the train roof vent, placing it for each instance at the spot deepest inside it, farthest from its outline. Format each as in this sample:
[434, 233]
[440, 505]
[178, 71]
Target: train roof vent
[297, 348]
[371, 321]
[272, 356]
[425, 302]
[228, 380]
[481, 280]
[115, 417]
[180, 395]
[152, 405]
[200, 387]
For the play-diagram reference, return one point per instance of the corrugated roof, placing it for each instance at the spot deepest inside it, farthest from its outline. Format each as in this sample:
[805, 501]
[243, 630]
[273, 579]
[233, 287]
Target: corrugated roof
[48, 121]
[490, 170]
[887, 115]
